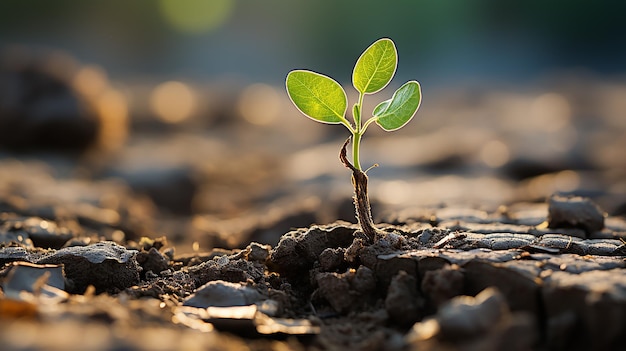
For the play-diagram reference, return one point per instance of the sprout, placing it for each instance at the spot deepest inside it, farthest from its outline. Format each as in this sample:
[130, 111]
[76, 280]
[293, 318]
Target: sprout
[322, 99]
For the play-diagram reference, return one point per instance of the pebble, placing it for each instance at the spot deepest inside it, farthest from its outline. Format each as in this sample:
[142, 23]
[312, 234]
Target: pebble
[105, 265]
[574, 212]
[219, 293]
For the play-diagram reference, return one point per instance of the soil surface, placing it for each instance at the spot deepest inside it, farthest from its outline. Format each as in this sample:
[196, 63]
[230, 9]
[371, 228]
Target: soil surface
[501, 217]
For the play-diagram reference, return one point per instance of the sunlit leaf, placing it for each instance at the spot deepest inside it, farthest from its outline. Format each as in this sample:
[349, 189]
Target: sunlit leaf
[375, 67]
[396, 112]
[317, 96]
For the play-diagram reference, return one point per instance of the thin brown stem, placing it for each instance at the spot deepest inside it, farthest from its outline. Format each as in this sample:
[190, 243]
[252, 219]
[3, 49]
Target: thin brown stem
[361, 199]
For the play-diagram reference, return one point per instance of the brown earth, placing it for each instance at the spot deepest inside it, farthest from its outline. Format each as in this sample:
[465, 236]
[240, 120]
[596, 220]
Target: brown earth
[119, 231]
[489, 281]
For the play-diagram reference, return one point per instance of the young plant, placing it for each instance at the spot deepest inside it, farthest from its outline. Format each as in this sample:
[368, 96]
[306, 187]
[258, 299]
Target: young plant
[322, 99]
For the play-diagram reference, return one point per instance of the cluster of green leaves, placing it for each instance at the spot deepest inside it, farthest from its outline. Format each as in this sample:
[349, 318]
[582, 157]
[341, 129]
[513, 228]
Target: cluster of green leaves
[322, 99]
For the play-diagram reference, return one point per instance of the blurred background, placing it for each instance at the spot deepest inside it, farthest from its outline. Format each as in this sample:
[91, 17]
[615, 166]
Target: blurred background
[170, 117]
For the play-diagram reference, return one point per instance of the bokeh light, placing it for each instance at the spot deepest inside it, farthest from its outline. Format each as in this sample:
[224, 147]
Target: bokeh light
[259, 104]
[495, 154]
[113, 110]
[195, 16]
[551, 111]
[173, 101]
[90, 81]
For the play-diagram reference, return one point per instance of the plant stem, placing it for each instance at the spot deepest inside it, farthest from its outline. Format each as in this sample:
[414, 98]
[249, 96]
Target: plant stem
[357, 133]
[356, 143]
[361, 199]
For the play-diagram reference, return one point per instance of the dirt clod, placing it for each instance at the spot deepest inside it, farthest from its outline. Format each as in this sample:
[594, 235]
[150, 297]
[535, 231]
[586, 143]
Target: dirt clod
[107, 266]
[441, 285]
[404, 304]
[298, 250]
[331, 258]
[223, 294]
[575, 212]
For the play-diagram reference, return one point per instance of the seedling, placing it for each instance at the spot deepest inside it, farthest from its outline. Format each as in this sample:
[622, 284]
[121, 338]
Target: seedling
[322, 99]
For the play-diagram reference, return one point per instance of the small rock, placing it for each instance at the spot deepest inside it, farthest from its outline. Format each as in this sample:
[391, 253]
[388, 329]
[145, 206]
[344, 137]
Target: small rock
[152, 261]
[105, 265]
[219, 293]
[574, 212]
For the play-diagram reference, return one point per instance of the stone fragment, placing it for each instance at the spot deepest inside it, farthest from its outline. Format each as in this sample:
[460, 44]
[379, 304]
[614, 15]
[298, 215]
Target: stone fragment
[574, 212]
[105, 265]
[219, 293]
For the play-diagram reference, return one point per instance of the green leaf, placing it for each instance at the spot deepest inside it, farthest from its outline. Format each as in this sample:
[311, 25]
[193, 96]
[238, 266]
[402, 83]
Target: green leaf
[396, 112]
[317, 96]
[375, 67]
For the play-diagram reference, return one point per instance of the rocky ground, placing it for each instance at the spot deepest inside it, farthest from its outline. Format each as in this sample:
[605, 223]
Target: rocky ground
[119, 231]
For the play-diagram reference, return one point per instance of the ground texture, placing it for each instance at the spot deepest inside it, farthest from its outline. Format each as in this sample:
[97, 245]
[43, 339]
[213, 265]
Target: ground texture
[231, 230]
